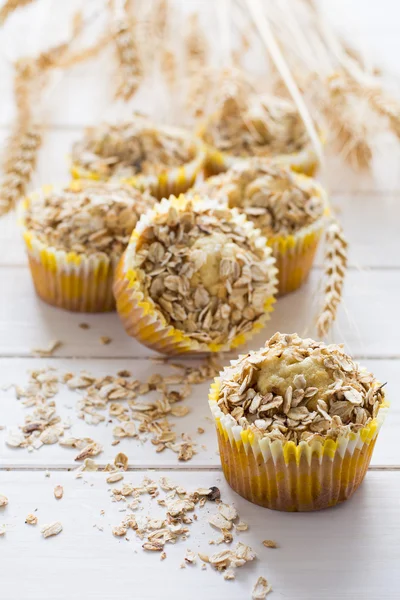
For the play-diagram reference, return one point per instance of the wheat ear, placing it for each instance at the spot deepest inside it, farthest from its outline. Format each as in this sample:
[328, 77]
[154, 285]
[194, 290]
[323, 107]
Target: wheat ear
[130, 71]
[335, 262]
[19, 165]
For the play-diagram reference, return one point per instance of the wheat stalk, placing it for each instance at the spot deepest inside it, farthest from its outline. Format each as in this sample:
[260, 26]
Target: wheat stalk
[31, 77]
[335, 261]
[130, 71]
[10, 6]
[19, 166]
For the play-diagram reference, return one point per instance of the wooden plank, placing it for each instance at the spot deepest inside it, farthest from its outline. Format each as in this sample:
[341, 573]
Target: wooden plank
[343, 544]
[143, 454]
[368, 320]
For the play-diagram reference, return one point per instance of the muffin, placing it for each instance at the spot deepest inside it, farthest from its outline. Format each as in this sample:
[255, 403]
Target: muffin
[290, 209]
[297, 423]
[75, 238]
[194, 278]
[247, 125]
[163, 160]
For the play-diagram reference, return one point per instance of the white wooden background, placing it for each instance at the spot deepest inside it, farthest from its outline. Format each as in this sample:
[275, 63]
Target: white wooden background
[351, 552]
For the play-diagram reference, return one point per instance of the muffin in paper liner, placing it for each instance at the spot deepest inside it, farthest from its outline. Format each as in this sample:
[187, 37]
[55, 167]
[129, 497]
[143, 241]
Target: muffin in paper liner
[76, 281]
[169, 180]
[143, 321]
[285, 476]
[295, 253]
[305, 161]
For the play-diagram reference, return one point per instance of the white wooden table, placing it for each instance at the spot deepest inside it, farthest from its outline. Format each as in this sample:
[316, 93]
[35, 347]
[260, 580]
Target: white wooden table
[351, 552]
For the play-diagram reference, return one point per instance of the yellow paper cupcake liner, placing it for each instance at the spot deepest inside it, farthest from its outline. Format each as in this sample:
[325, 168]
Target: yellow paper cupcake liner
[305, 161]
[140, 316]
[76, 282]
[282, 475]
[171, 180]
[294, 254]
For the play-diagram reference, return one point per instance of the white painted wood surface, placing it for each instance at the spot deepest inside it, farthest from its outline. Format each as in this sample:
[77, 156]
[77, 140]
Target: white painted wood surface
[351, 552]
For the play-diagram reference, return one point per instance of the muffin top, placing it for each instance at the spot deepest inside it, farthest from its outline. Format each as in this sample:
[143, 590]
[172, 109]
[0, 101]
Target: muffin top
[132, 147]
[255, 125]
[297, 389]
[91, 219]
[205, 269]
[276, 199]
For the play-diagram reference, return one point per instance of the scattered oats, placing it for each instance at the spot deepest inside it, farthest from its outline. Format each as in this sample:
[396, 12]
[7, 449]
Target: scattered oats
[84, 325]
[163, 556]
[3, 500]
[124, 373]
[200, 430]
[51, 529]
[92, 449]
[204, 557]
[31, 519]
[261, 589]
[105, 340]
[58, 492]
[52, 347]
[89, 465]
[270, 544]
[190, 557]
[229, 574]
[119, 531]
[227, 511]
[186, 451]
[180, 411]
[220, 522]
[241, 526]
[153, 546]
[114, 477]
[121, 461]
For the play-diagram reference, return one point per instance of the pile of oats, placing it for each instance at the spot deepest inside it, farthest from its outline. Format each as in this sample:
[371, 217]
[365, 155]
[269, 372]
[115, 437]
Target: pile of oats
[204, 272]
[120, 395]
[174, 525]
[132, 147]
[96, 218]
[297, 389]
[252, 125]
[274, 198]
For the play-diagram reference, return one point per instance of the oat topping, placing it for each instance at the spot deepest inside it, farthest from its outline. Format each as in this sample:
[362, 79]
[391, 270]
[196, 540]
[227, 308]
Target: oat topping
[3, 500]
[252, 125]
[132, 147]
[204, 269]
[272, 196]
[297, 389]
[94, 218]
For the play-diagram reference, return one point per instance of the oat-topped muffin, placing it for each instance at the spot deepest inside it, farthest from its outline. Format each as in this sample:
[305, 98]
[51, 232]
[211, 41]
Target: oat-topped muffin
[288, 208]
[194, 278]
[162, 159]
[305, 408]
[75, 237]
[248, 125]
